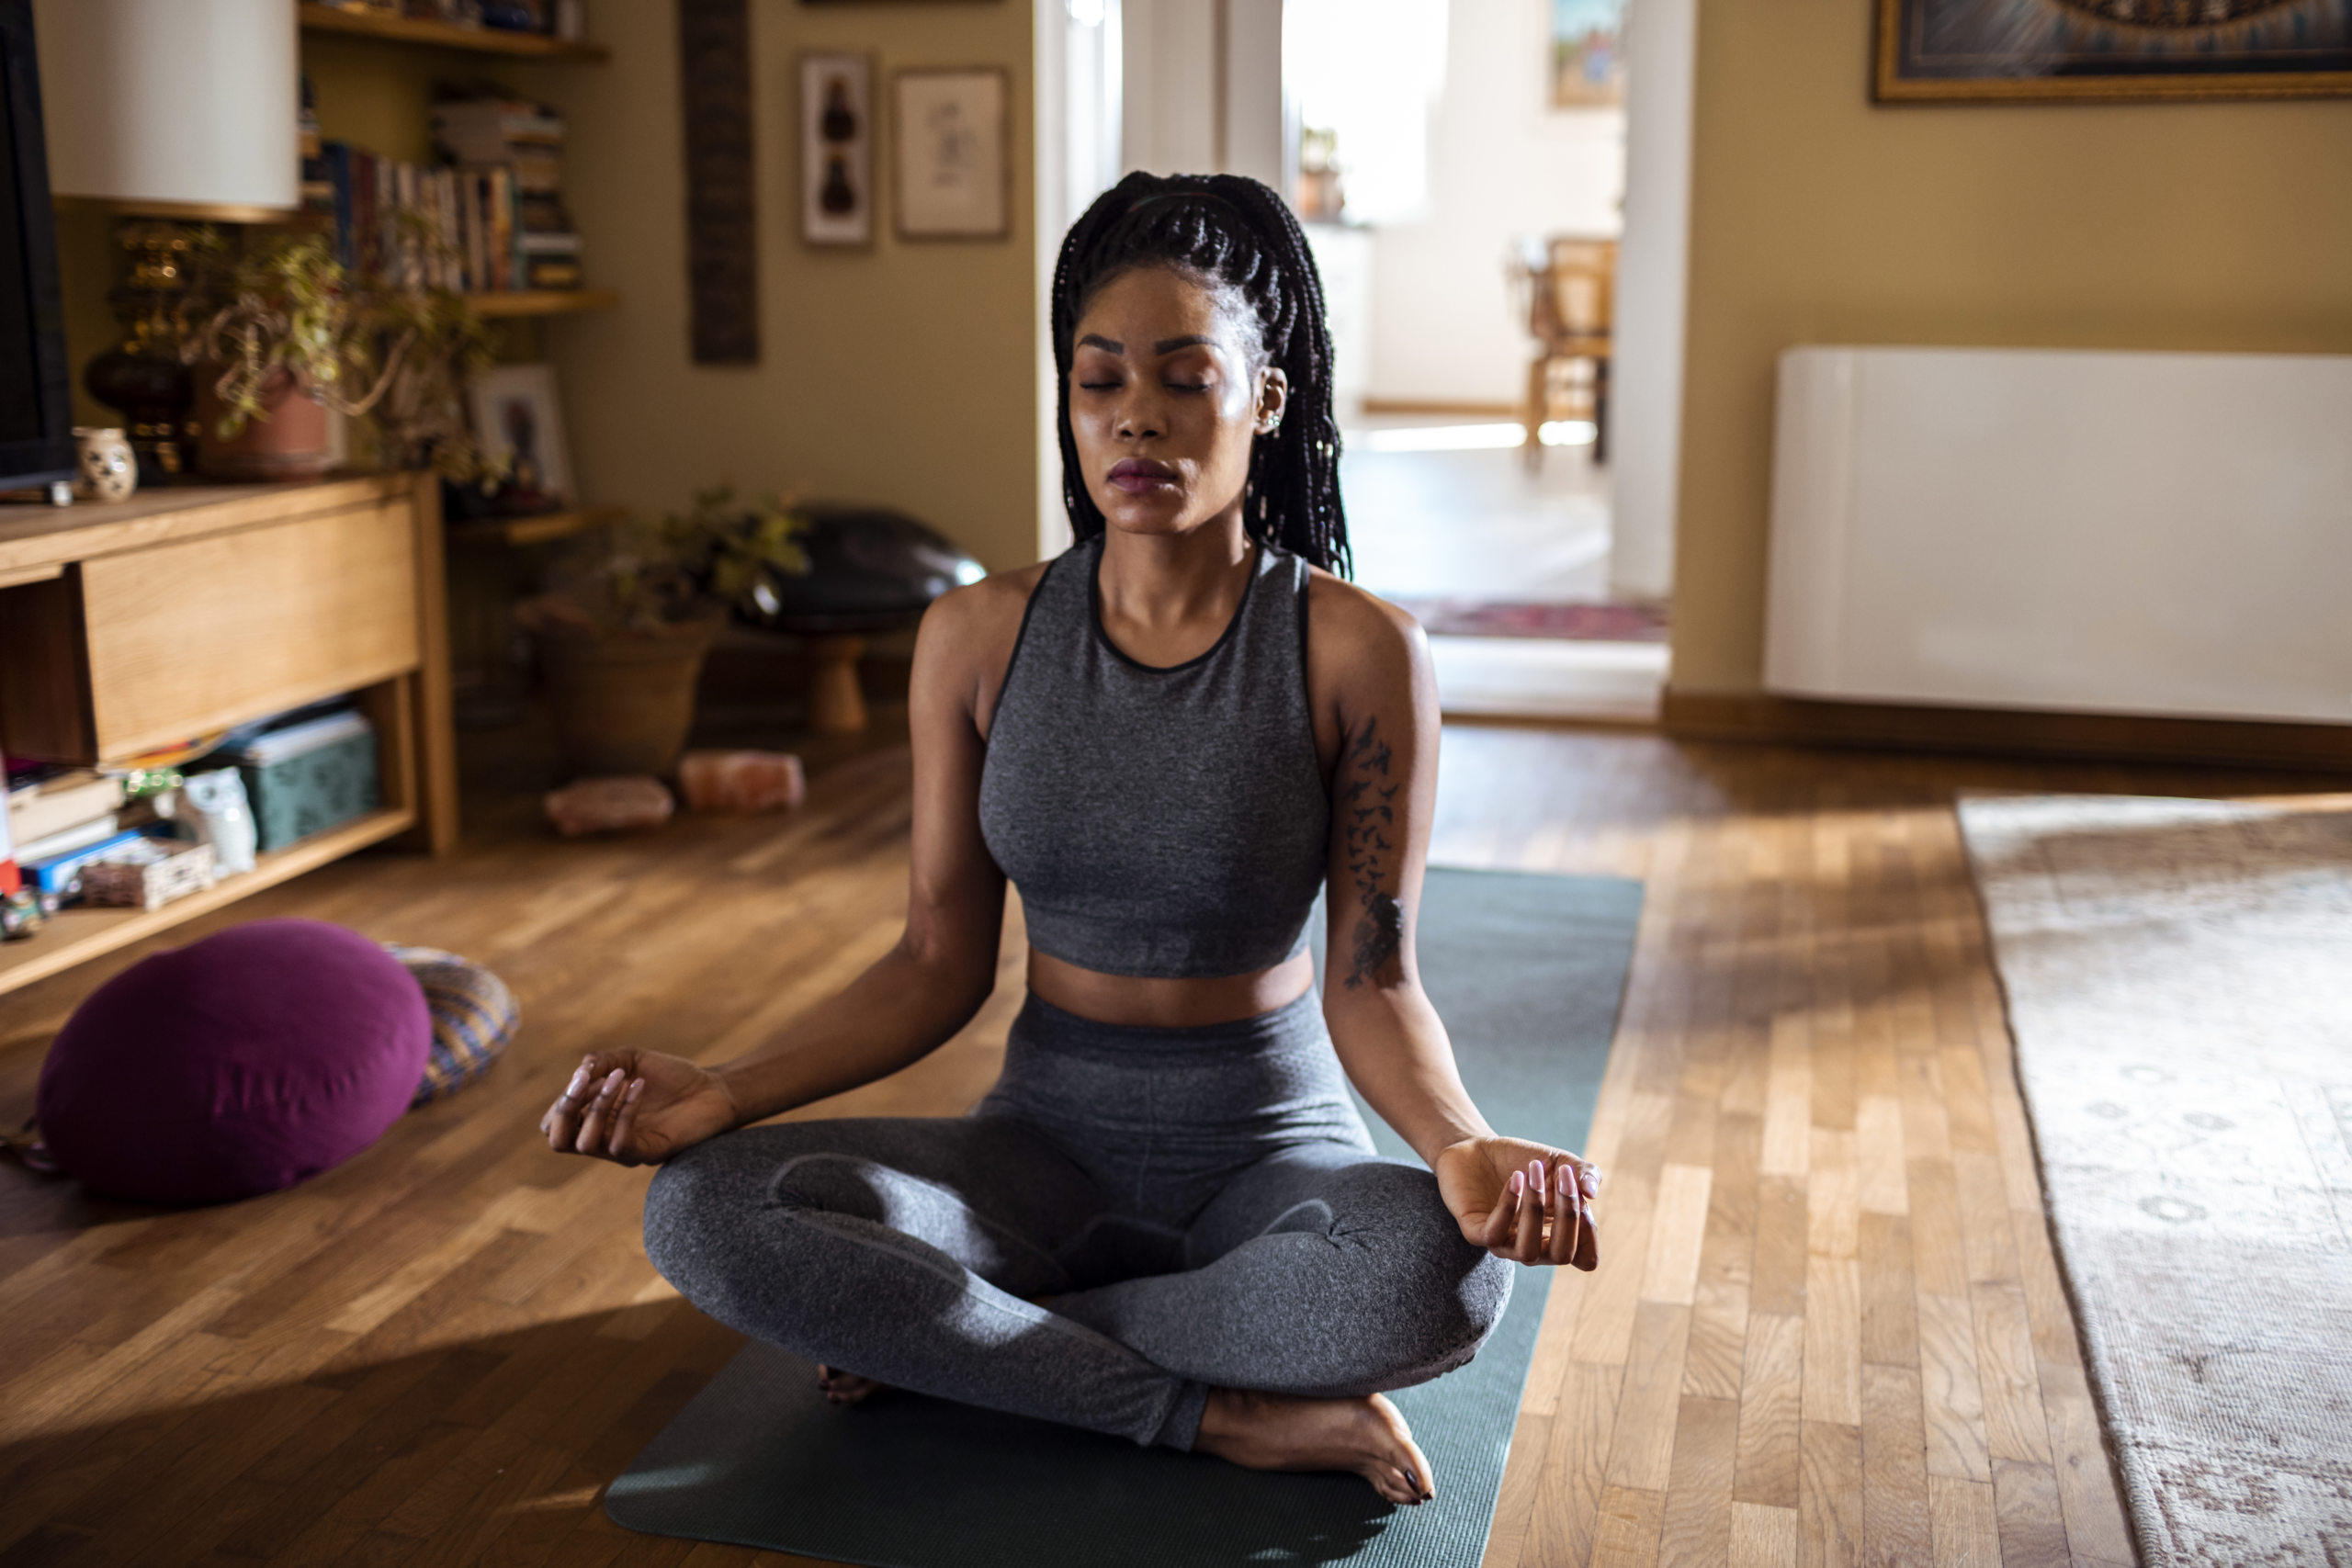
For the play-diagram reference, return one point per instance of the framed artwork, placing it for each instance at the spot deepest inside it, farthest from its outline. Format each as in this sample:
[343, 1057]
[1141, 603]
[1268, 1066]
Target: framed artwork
[1588, 57]
[952, 165]
[836, 150]
[518, 421]
[1947, 51]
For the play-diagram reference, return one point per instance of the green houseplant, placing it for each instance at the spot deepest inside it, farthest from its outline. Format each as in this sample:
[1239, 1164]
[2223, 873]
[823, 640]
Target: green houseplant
[279, 332]
[622, 636]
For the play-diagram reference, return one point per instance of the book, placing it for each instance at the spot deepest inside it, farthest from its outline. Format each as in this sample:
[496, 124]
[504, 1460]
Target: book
[79, 837]
[60, 801]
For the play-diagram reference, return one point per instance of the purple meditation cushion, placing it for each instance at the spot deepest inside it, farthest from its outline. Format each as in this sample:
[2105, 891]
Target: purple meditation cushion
[237, 1064]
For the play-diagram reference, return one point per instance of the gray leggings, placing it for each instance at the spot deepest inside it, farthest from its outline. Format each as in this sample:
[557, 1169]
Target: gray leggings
[1203, 1206]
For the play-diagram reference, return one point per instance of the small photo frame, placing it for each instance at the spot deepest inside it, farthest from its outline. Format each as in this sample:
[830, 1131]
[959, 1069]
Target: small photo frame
[836, 150]
[952, 164]
[517, 422]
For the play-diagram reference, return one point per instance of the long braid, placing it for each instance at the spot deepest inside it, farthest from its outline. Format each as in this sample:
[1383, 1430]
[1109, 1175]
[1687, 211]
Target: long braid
[1237, 233]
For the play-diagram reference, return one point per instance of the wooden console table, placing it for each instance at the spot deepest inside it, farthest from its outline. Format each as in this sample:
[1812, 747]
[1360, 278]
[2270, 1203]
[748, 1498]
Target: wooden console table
[128, 627]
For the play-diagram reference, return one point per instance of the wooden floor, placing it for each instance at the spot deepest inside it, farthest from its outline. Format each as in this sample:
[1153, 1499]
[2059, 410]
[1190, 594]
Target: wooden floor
[1827, 1328]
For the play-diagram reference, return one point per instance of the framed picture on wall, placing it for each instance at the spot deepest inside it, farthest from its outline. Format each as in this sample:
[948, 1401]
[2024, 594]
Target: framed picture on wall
[836, 150]
[951, 164]
[1995, 50]
[1587, 54]
[518, 423]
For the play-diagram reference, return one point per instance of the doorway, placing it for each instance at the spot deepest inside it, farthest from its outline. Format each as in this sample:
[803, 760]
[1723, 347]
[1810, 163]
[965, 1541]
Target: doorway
[1439, 152]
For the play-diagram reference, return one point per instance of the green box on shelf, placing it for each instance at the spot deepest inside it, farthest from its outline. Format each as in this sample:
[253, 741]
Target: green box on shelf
[313, 777]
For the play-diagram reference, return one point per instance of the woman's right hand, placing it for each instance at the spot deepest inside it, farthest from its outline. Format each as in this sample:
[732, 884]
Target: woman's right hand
[638, 1108]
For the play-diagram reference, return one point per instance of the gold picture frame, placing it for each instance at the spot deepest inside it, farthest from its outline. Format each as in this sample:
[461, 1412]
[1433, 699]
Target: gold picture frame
[2153, 61]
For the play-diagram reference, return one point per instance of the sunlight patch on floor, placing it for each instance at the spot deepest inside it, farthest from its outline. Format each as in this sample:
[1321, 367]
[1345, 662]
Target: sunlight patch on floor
[1494, 677]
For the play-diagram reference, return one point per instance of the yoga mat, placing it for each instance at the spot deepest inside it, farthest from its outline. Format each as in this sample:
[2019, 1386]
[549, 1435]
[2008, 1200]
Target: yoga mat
[1528, 971]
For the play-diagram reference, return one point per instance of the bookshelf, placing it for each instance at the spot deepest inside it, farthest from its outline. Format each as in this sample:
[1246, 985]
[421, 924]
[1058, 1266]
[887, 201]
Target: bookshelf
[76, 935]
[320, 19]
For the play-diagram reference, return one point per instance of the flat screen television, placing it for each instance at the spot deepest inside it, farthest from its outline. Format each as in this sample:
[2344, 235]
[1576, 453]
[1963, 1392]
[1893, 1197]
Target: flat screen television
[36, 398]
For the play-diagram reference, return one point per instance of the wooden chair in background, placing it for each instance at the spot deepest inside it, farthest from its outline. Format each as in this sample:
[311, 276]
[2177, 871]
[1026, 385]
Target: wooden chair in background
[1571, 314]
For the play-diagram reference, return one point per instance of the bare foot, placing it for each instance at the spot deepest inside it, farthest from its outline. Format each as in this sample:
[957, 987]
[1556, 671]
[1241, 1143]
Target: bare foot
[1281, 1431]
[845, 1388]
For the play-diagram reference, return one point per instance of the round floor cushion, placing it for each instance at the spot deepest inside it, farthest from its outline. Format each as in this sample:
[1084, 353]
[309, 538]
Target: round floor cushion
[237, 1064]
[474, 1016]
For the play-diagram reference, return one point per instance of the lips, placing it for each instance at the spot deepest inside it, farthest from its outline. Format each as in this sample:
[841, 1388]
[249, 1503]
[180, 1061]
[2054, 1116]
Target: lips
[1141, 476]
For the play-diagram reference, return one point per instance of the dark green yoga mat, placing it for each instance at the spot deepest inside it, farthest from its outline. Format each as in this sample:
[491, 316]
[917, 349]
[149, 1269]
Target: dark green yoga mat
[1527, 972]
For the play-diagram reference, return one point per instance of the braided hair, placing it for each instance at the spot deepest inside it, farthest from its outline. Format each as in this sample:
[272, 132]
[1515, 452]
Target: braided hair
[1237, 236]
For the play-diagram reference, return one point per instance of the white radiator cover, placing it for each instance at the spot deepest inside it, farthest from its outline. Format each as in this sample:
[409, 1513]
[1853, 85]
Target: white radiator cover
[2093, 532]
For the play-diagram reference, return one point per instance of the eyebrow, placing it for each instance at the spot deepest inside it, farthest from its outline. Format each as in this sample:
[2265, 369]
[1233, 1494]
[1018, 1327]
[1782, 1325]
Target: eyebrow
[1165, 345]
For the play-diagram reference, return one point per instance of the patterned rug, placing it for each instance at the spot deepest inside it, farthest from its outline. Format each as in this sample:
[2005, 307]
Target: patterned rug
[2179, 982]
[1570, 623]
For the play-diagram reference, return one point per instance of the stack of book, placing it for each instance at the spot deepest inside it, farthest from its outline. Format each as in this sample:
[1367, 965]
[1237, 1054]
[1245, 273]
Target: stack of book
[428, 227]
[521, 142]
[61, 819]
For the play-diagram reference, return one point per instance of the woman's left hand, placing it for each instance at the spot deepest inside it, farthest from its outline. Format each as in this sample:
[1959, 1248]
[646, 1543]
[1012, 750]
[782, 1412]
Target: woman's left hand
[1527, 1202]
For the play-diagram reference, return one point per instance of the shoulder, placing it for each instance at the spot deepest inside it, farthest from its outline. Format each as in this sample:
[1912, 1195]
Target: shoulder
[982, 611]
[969, 636]
[1350, 629]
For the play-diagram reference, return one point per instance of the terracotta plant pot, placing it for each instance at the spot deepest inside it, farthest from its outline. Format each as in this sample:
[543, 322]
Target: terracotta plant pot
[624, 701]
[290, 444]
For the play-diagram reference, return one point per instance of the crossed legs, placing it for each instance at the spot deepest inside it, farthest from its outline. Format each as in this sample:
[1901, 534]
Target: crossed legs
[913, 1252]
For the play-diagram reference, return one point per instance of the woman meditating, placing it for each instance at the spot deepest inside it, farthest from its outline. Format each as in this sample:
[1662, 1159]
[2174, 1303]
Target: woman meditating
[1167, 1221]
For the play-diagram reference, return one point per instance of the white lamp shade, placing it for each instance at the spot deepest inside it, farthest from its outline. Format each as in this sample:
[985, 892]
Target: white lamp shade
[162, 105]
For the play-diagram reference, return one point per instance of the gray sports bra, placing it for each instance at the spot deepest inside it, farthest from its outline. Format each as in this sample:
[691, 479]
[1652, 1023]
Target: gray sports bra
[1166, 822]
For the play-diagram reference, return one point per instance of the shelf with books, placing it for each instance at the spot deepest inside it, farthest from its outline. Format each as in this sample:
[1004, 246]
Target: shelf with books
[80, 932]
[511, 302]
[323, 18]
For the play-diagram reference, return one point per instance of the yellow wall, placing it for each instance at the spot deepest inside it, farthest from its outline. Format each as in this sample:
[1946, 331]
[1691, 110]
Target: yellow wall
[1817, 218]
[905, 374]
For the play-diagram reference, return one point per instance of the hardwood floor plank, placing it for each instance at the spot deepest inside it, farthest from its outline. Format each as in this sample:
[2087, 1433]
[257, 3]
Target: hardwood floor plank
[1576, 1462]
[1949, 1390]
[2033, 1531]
[1938, 1255]
[1695, 1531]
[1966, 1525]
[2015, 1426]
[2047, 1309]
[1763, 1536]
[1603, 1334]
[1677, 1233]
[1727, 1264]
[1770, 1408]
[1522, 1469]
[1829, 1496]
[1882, 1182]
[1788, 1097]
[1641, 1452]
[1628, 1532]
[1833, 1196]
[1889, 1323]
[1990, 1250]
[2096, 1526]
[1895, 1528]
[1777, 1283]
[1833, 1341]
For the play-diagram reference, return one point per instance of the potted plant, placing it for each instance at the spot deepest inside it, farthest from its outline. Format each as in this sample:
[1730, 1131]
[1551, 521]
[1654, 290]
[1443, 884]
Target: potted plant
[279, 332]
[621, 638]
